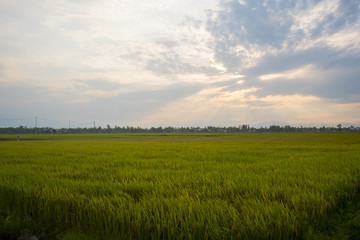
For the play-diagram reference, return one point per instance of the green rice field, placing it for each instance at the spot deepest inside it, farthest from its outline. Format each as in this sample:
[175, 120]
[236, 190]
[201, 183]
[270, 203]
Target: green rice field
[178, 186]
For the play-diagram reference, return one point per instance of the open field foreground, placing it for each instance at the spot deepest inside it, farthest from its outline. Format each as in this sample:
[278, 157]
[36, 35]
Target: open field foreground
[179, 186]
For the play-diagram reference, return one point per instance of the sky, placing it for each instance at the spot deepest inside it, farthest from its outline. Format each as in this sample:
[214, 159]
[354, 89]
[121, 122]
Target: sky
[153, 63]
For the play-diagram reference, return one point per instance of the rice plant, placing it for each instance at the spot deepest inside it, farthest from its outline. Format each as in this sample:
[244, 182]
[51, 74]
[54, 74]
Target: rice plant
[179, 186]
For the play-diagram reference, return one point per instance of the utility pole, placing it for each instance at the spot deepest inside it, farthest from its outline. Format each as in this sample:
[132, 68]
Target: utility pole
[94, 124]
[36, 118]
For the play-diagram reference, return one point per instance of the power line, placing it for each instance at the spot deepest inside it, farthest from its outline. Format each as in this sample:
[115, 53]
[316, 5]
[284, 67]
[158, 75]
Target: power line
[49, 122]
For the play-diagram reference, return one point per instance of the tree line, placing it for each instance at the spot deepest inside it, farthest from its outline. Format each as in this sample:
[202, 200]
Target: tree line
[245, 128]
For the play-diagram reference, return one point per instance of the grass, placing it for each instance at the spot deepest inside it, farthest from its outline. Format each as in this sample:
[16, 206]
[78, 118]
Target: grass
[179, 186]
[343, 223]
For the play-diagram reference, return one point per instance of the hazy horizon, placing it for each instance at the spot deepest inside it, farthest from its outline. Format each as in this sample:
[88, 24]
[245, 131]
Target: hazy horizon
[179, 63]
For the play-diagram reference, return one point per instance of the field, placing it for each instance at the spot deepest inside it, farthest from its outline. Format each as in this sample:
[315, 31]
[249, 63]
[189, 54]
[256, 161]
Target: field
[178, 186]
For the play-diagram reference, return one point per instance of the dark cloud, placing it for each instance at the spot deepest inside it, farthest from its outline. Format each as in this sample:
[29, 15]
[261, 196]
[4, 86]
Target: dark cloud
[323, 56]
[346, 14]
[268, 23]
[53, 41]
[27, 100]
[135, 104]
[252, 23]
[338, 77]
[349, 11]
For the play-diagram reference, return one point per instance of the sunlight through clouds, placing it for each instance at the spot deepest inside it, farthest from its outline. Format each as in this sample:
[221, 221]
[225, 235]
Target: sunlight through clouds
[181, 62]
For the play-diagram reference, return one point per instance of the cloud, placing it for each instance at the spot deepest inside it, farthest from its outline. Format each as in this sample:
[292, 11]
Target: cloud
[188, 52]
[315, 17]
[324, 17]
[163, 62]
[290, 48]
[209, 106]
[9, 70]
[289, 74]
[245, 32]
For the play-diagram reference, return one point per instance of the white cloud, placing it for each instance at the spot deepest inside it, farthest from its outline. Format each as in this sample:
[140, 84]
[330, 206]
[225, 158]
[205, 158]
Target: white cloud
[309, 18]
[81, 52]
[243, 106]
[301, 72]
[322, 17]
[251, 54]
[116, 40]
[348, 39]
[10, 71]
[289, 101]
[242, 2]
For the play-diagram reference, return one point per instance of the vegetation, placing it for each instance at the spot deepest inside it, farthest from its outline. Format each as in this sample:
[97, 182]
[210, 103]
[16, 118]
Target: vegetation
[177, 186]
[210, 129]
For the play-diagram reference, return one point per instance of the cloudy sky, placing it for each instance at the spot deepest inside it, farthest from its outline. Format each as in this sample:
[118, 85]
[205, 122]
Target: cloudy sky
[179, 62]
